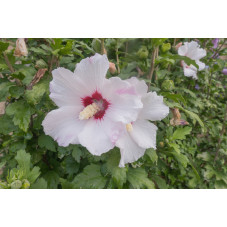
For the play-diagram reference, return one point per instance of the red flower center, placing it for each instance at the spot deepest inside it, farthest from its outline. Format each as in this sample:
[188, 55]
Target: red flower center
[102, 103]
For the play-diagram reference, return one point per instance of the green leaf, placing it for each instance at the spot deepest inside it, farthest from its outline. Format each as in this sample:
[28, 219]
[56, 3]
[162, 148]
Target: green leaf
[39, 184]
[23, 160]
[7, 125]
[194, 116]
[76, 153]
[47, 142]
[71, 166]
[138, 178]
[16, 91]
[21, 113]
[4, 88]
[3, 46]
[52, 179]
[34, 96]
[182, 159]
[90, 178]
[160, 182]
[18, 75]
[180, 133]
[33, 174]
[151, 153]
[175, 146]
[118, 174]
[175, 97]
[66, 184]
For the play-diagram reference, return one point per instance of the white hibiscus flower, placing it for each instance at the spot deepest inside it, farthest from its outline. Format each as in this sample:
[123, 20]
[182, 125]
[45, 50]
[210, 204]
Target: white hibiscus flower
[90, 106]
[140, 134]
[193, 51]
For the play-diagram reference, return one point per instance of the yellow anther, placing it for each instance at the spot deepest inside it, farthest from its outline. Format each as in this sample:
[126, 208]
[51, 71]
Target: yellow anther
[89, 111]
[129, 127]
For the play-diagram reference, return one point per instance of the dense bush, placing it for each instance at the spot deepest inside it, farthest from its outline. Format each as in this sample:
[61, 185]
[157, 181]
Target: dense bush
[191, 142]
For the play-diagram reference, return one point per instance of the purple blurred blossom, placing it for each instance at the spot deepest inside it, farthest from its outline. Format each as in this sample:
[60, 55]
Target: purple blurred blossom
[215, 42]
[197, 87]
[224, 71]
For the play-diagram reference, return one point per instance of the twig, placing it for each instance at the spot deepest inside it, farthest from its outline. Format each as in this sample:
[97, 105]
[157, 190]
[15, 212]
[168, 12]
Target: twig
[11, 68]
[117, 57]
[151, 71]
[102, 46]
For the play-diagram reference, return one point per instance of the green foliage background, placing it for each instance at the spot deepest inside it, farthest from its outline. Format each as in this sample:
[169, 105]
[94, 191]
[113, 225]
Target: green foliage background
[192, 156]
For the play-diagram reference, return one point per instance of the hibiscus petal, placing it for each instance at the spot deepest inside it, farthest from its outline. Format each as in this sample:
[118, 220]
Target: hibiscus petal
[92, 71]
[63, 125]
[144, 134]
[125, 103]
[140, 85]
[97, 136]
[154, 108]
[65, 88]
[191, 71]
[130, 151]
[201, 65]
[192, 50]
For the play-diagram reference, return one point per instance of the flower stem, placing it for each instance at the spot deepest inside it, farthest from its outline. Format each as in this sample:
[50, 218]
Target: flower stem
[102, 46]
[152, 65]
[117, 57]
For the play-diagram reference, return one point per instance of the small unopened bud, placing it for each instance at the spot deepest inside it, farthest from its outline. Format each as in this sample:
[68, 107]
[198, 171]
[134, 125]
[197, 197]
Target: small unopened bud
[112, 68]
[178, 45]
[16, 184]
[161, 144]
[26, 184]
[168, 85]
[21, 48]
[166, 47]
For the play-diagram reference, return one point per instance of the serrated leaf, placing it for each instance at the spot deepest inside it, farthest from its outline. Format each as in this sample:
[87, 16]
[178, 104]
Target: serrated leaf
[160, 182]
[182, 159]
[138, 178]
[23, 160]
[52, 179]
[47, 142]
[3, 46]
[33, 174]
[7, 125]
[90, 178]
[39, 184]
[112, 165]
[76, 153]
[71, 166]
[4, 88]
[151, 153]
[16, 91]
[21, 113]
[180, 133]
[34, 96]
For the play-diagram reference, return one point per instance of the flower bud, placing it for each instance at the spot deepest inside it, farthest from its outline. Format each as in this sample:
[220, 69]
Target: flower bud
[166, 47]
[26, 184]
[178, 45]
[16, 184]
[167, 85]
[41, 64]
[21, 49]
[112, 68]
[161, 144]
[143, 53]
